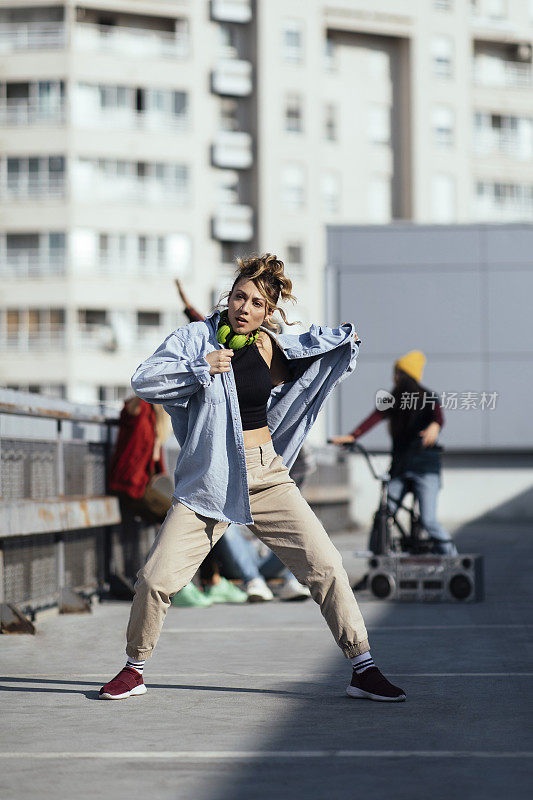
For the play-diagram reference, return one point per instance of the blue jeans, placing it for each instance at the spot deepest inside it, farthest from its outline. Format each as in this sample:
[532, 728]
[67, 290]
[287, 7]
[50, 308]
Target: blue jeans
[426, 490]
[240, 560]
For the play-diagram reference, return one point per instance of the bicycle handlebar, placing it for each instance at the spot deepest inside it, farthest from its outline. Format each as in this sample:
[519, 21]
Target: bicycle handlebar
[356, 446]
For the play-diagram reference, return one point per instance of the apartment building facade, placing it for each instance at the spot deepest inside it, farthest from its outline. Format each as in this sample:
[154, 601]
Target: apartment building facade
[144, 140]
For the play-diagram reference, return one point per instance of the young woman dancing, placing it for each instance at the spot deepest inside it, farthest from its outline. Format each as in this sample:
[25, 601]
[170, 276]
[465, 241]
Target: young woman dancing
[242, 401]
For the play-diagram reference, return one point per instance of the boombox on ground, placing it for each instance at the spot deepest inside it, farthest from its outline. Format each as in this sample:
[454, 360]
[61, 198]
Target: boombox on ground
[427, 578]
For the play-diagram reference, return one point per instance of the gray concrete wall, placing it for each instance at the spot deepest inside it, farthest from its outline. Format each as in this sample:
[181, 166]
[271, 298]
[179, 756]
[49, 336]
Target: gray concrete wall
[461, 294]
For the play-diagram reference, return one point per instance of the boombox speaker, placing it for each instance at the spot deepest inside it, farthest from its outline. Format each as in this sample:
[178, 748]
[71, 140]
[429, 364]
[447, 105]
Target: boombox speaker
[427, 578]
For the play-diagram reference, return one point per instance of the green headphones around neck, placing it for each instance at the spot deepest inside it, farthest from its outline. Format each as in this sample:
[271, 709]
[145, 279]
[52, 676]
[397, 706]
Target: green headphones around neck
[227, 336]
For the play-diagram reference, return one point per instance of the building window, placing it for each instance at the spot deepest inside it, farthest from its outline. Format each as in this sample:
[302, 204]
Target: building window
[330, 53]
[331, 189]
[113, 395]
[88, 317]
[293, 114]
[35, 177]
[442, 121]
[295, 254]
[33, 328]
[293, 186]
[503, 134]
[148, 320]
[504, 202]
[34, 254]
[330, 122]
[379, 199]
[292, 42]
[443, 198]
[495, 9]
[442, 56]
[379, 123]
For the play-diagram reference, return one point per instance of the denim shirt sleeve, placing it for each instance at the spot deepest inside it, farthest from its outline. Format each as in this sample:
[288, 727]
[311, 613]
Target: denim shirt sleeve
[177, 369]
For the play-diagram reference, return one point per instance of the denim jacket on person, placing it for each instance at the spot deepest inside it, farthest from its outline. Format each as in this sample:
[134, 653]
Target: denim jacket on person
[210, 475]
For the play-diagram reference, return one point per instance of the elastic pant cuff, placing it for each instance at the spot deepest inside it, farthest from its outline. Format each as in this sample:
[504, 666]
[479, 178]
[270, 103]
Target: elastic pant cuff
[356, 649]
[138, 655]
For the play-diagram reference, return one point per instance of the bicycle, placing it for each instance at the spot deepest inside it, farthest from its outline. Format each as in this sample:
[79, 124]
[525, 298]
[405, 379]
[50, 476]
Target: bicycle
[388, 536]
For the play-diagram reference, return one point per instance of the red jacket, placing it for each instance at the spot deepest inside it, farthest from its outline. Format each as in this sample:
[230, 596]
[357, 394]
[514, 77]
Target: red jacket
[132, 461]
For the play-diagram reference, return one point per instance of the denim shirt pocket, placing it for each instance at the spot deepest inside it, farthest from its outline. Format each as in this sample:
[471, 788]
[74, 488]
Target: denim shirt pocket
[215, 394]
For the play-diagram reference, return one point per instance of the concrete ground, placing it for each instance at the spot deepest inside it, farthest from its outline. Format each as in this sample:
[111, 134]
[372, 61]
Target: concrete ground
[248, 702]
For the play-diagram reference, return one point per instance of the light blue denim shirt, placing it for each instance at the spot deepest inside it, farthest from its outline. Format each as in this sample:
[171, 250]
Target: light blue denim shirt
[210, 475]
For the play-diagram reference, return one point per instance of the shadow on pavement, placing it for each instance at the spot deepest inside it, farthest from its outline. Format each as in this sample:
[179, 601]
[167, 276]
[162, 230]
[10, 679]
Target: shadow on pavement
[456, 736]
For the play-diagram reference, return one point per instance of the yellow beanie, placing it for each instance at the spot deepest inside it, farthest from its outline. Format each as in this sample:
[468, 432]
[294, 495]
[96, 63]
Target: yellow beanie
[413, 363]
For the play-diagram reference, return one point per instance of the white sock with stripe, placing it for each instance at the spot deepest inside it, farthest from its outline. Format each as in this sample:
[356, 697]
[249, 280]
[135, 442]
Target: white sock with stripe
[136, 665]
[362, 662]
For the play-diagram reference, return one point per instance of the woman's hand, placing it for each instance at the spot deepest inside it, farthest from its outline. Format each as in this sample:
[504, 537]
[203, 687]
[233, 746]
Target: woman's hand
[429, 434]
[348, 439]
[219, 361]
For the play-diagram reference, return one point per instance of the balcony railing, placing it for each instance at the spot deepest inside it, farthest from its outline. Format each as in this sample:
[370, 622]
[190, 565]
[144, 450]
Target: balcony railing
[512, 74]
[489, 210]
[119, 189]
[42, 337]
[34, 189]
[27, 112]
[494, 142]
[119, 268]
[105, 337]
[32, 36]
[130, 41]
[128, 119]
[232, 76]
[32, 264]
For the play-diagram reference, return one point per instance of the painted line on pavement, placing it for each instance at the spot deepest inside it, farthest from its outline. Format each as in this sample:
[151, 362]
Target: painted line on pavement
[287, 675]
[249, 755]
[315, 628]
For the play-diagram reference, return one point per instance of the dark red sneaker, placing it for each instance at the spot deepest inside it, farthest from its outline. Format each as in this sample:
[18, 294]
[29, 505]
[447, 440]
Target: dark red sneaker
[372, 685]
[127, 683]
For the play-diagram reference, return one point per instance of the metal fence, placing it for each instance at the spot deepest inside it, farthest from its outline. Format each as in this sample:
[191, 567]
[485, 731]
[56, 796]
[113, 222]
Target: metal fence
[55, 518]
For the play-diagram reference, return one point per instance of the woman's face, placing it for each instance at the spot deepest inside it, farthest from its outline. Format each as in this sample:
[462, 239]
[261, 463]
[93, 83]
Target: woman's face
[247, 308]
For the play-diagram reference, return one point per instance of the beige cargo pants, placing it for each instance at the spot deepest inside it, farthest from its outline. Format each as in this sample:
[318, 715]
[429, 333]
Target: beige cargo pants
[283, 521]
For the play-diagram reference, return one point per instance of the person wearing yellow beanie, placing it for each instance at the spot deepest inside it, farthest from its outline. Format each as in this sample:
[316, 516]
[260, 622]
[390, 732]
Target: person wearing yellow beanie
[413, 364]
[415, 421]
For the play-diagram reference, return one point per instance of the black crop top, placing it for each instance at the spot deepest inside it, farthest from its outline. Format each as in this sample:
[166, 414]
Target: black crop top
[254, 384]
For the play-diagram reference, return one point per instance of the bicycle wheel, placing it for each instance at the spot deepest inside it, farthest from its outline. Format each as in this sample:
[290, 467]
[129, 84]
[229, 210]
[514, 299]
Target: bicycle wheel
[378, 541]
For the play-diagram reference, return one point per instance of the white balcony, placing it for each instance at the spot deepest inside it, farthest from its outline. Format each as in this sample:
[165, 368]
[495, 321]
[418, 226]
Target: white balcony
[233, 150]
[129, 120]
[231, 10]
[506, 74]
[491, 142]
[34, 189]
[42, 337]
[111, 338]
[32, 264]
[127, 189]
[136, 42]
[27, 112]
[233, 223]
[32, 36]
[232, 76]
[489, 210]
